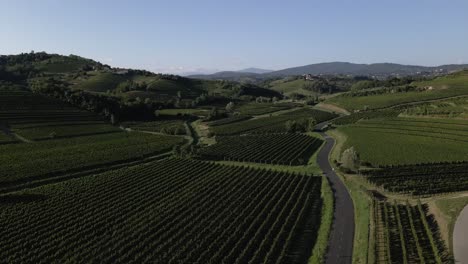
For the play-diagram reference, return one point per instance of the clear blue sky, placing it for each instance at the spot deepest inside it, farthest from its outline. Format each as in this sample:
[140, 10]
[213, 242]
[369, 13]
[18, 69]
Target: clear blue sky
[181, 36]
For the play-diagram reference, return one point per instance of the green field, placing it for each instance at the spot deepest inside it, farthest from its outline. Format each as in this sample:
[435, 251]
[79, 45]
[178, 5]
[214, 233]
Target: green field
[164, 212]
[408, 141]
[24, 162]
[289, 87]
[263, 108]
[439, 88]
[273, 124]
[169, 127]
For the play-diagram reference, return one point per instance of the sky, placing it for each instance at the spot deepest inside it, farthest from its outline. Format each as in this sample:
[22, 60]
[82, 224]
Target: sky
[176, 36]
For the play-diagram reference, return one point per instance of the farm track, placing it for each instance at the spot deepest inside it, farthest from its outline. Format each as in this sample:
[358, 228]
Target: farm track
[340, 244]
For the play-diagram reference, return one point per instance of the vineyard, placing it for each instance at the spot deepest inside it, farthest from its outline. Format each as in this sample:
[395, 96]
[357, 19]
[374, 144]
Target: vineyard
[355, 117]
[173, 211]
[407, 234]
[285, 149]
[421, 179]
[38, 118]
[264, 108]
[169, 127]
[273, 124]
[228, 120]
[399, 141]
[26, 162]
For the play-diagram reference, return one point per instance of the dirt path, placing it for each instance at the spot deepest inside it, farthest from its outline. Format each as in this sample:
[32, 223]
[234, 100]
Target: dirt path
[460, 240]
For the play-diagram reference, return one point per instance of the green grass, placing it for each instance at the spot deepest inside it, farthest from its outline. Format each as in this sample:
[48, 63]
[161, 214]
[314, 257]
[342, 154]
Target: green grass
[408, 141]
[442, 87]
[23, 162]
[361, 202]
[451, 209]
[320, 248]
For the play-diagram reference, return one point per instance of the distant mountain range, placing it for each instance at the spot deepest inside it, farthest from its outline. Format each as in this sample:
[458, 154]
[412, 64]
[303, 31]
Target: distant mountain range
[329, 68]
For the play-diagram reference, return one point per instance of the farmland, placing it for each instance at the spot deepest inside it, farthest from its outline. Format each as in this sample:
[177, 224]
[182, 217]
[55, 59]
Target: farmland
[285, 149]
[263, 108]
[439, 88]
[406, 233]
[408, 141]
[25, 162]
[273, 124]
[169, 127]
[219, 214]
[422, 179]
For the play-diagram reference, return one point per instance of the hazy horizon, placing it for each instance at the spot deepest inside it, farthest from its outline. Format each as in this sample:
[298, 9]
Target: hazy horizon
[208, 36]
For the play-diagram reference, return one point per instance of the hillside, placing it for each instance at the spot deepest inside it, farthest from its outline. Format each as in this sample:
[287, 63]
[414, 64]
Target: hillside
[442, 87]
[381, 70]
[88, 75]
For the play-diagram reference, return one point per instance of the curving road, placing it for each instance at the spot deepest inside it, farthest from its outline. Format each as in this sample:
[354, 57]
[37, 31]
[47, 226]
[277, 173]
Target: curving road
[340, 244]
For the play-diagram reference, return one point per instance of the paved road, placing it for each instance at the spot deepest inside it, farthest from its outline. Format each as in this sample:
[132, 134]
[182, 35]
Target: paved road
[340, 244]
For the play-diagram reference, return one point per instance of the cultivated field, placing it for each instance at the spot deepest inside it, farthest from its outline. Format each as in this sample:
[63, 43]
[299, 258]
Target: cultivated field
[173, 211]
[285, 149]
[408, 140]
[407, 234]
[273, 124]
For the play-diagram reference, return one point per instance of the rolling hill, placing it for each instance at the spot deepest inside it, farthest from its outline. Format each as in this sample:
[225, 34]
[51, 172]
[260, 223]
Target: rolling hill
[340, 68]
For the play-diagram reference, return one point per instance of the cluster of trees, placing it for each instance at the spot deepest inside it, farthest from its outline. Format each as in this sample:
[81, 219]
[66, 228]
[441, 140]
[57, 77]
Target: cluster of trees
[113, 108]
[301, 125]
[350, 161]
[130, 85]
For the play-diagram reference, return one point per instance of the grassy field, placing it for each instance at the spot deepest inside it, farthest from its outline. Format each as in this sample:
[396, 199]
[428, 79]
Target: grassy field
[408, 141]
[442, 87]
[63, 130]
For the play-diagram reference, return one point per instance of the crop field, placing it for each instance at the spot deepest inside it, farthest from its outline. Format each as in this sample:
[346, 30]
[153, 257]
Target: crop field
[228, 120]
[172, 211]
[169, 127]
[453, 108]
[19, 100]
[408, 140]
[5, 139]
[355, 117]
[284, 149]
[407, 234]
[264, 108]
[38, 133]
[421, 179]
[273, 124]
[442, 87]
[27, 162]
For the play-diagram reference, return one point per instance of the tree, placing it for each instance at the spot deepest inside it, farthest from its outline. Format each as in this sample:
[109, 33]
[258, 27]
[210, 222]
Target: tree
[350, 159]
[230, 107]
[311, 124]
[291, 126]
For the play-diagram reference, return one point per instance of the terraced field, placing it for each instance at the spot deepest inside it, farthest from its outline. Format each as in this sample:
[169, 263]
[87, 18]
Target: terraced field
[173, 211]
[408, 140]
[273, 124]
[285, 149]
[407, 234]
